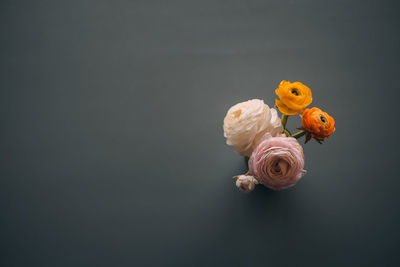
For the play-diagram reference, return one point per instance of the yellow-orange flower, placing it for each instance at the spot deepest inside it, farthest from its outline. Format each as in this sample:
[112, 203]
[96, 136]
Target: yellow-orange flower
[294, 97]
[317, 123]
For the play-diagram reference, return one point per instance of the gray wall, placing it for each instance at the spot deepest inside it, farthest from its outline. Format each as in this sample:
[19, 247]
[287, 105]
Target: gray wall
[111, 142]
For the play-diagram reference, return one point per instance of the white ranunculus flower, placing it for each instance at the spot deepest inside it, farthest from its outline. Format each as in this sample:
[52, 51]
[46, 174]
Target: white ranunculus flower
[246, 122]
[245, 183]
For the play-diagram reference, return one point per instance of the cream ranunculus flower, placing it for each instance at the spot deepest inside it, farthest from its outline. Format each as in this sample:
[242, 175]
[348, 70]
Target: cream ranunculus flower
[245, 182]
[246, 122]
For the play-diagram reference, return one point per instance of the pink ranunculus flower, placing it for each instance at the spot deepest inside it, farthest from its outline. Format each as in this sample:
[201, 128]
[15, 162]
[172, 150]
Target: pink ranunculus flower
[277, 162]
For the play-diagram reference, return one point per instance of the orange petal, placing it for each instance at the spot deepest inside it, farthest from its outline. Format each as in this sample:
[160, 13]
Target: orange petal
[284, 109]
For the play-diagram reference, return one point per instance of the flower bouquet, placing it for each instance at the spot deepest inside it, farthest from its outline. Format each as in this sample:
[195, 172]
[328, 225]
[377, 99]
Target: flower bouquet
[275, 158]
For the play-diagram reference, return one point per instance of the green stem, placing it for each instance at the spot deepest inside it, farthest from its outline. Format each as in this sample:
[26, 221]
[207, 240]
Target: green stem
[246, 160]
[284, 120]
[299, 134]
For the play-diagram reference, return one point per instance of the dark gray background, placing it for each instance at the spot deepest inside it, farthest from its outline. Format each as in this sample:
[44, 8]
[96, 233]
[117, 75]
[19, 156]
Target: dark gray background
[112, 149]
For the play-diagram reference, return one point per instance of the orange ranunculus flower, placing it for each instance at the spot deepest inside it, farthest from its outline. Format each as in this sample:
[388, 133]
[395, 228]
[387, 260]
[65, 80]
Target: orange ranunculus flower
[317, 123]
[294, 97]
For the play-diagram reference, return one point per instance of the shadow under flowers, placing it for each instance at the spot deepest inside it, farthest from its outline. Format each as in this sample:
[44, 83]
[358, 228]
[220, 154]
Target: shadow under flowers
[262, 201]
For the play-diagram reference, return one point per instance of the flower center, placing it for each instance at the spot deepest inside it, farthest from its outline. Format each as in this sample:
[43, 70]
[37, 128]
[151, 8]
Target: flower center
[236, 114]
[295, 92]
[277, 168]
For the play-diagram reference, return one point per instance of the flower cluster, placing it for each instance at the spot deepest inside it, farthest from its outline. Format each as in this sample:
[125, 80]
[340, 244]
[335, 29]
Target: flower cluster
[275, 157]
